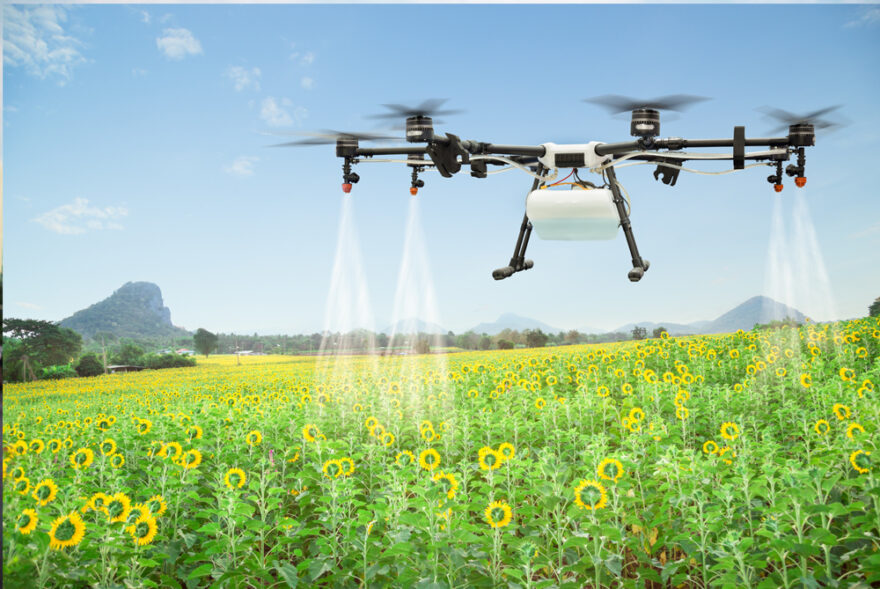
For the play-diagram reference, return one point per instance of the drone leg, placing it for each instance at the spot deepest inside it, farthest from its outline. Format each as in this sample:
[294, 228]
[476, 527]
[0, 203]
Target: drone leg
[640, 266]
[518, 261]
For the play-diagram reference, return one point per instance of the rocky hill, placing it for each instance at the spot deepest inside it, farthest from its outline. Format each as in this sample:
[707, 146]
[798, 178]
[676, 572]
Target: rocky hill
[135, 310]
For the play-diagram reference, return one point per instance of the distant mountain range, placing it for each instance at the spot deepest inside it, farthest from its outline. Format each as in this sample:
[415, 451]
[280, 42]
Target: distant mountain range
[135, 310]
[755, 310]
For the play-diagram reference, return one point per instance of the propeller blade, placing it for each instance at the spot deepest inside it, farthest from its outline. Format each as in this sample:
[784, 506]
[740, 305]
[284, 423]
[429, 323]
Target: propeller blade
[428, 108]
[329, 137]
[787, 118]
[615, 103]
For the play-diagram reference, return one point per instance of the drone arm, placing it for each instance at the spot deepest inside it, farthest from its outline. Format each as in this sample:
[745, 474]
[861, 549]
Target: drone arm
[675, 143]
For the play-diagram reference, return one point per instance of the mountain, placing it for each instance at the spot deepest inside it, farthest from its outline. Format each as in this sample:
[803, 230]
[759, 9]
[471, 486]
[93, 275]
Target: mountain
[755, 310]
[758, 309]
[134, 311]
[413, 325]
[515, 322]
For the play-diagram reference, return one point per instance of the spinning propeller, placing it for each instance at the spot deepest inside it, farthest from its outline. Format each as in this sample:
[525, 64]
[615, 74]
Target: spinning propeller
[789, 119]
[645, 113]
[328, 137]
[419, 119]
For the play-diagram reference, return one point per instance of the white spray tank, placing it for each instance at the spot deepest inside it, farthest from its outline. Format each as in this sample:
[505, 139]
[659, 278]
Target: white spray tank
[578, 214]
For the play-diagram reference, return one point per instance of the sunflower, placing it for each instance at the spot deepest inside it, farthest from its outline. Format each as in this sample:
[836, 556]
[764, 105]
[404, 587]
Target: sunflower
[846, 374]
[137, 512]
[194, 432]
[67, 530]
[498, 514]
[448, 481]
[82, 458]
[489, 458]
[97, 502]
[473, 393]
[54, 445]
[346, 466]
[636, 414]
[108, 447]
[19, 448]
[310, 432]
[682, 412]
[157, 505]
[507, 451]
[235, 477]
[143, 530]
[724, 451]
[428, 434]
[851, 429]
[190, 459]
[410, 458]
[610, 469]
[602, 500]
[388, 439]
[22, 485]
[36, 446]
[429, 459]
[861, 465]
[841, 411]
[806, 381]
[17, 473]
[118, 507]
[332, 469]
[175, 446]
[144, 426]
[27, 521]
[254, 438]
[369, 423]
[540, 403]
[710, 447]
[822, 427]
[729, 430]
[45, 492]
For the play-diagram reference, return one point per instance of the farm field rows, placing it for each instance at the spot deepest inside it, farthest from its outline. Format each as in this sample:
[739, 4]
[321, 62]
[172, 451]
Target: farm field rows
[736, 460]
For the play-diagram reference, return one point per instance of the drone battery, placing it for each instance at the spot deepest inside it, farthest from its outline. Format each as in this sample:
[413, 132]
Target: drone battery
[573, 214]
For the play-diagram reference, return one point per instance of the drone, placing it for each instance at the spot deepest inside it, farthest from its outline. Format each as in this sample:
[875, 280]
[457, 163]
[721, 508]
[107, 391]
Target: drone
[572, 208]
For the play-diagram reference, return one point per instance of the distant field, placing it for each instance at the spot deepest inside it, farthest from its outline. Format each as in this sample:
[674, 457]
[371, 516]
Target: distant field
[732, 461]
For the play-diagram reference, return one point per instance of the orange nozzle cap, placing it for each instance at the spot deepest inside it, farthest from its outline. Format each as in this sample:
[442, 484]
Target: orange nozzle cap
[777, 187]
[800, 181]
[346, 188]
[413, 191]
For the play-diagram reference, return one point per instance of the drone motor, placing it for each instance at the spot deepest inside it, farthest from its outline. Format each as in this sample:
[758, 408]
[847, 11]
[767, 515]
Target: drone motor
[419, 129]
[645, 123]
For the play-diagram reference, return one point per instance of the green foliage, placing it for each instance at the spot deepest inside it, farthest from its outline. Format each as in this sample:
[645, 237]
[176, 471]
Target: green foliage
[778, 324]
[422, 346]
[30, 344]
[89, 365]
[58, 372]
[874, 309]
[639, 333]
[205, 342]
[505, 344]
[535, 338]
[130, 354]
[157, 361]
[659, 331]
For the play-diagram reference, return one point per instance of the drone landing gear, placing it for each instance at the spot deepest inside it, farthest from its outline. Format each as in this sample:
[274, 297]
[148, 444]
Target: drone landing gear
[518, 263]
[640, 266]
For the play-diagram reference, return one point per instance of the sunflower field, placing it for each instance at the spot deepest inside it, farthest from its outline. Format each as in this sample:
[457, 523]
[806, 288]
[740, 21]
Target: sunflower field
[738, 460]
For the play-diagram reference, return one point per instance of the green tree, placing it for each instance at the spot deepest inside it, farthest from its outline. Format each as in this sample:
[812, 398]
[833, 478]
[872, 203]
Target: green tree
[639, 332]
[130, 354]
[874, 309]
[535, 338]
[204, 341]
[38, 344]
[89, 365]
[659, 331]
[505, 344]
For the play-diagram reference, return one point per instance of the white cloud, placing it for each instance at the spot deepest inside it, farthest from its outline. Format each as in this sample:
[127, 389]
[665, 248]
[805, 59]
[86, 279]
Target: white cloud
[34, 39]
[25, 305]
[307, 59]
[278, 114]
[78, 218]
[867, 16]
[243, 78]
[243, 166]
[145, 17]
[178, 43]
[307, 83]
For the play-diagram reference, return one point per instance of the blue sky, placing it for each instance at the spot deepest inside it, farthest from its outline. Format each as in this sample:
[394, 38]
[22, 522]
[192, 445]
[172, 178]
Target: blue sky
[134, 148]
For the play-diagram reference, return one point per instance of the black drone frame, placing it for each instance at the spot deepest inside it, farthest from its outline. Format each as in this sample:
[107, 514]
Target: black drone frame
[448, 154]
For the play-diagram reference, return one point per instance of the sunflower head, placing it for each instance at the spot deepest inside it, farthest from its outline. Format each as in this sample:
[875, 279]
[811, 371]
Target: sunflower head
[143, 530]
[157, 505]
[254, 438]
[429, 459]
[235, 478]
[610, 469]
[66, 531]
[498, 514]
[590, 495]
[27, 522]
[45, 492]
